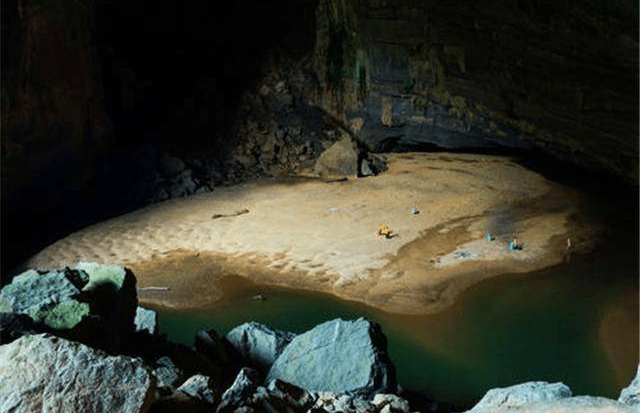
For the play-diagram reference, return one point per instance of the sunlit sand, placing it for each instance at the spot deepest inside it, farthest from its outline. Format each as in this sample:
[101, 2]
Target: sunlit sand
[320, 235]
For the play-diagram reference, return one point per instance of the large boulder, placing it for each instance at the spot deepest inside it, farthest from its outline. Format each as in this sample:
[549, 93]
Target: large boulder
[521, 394]
[259, 345]
[339, 160]
[43, 373]
[91, 303]
[631, 394]
[338, 356]
[543, 397]
[579, 404]
[47, 297]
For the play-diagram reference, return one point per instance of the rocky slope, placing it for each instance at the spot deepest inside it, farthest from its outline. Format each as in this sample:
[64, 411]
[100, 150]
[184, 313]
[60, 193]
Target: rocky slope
[338, 366]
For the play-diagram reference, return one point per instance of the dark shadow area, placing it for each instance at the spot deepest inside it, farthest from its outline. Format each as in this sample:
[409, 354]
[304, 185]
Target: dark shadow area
[172, 75]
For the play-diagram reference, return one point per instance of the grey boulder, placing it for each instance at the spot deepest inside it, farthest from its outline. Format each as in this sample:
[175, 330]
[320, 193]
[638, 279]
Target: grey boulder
[339, 160]
[521, 394]
[259, 345]
[92, 303]
[338, 356]
[47, 297]
[43, 373]
[579, 404]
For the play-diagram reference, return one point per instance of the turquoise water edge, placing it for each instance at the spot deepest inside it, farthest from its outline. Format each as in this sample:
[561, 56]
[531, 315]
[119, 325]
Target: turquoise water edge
[503, 331]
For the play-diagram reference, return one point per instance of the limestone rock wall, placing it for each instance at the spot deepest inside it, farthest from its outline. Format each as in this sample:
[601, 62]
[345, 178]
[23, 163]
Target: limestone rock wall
[560, 77]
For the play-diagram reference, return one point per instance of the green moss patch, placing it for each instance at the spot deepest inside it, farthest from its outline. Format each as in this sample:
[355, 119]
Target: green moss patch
[66, 315]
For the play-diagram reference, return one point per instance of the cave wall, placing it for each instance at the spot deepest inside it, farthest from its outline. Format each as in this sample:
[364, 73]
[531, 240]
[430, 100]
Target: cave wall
[86, 85]
[561, 77]
[54, 126]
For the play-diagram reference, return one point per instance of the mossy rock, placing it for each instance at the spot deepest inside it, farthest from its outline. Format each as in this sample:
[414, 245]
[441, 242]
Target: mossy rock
[102, 274]
[66, 315]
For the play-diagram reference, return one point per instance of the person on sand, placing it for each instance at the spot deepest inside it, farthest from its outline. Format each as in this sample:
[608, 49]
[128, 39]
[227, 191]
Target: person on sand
[515, 244]
[568, 251]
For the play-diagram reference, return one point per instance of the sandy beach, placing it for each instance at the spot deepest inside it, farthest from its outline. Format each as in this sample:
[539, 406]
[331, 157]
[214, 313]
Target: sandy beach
[307, 233]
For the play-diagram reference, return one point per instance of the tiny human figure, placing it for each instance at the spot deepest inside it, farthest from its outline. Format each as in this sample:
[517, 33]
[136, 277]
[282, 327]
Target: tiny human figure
[569, 252]
[514, 244]
[384, 230]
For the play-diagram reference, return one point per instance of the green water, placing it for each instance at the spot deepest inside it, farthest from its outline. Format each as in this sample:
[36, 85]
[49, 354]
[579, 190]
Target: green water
[503, 331]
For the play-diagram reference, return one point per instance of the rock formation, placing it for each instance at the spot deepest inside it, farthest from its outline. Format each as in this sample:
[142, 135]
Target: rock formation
[338, 366]
[338, 161]
[46, 373]
[338, 356]
[92, 303]
[543, 397]
[259, 345]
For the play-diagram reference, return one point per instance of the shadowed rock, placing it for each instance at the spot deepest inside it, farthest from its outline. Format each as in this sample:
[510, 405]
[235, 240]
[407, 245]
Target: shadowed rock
[259, 345]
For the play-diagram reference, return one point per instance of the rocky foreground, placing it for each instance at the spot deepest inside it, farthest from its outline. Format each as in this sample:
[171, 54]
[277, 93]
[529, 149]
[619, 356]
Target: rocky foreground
[75, 340]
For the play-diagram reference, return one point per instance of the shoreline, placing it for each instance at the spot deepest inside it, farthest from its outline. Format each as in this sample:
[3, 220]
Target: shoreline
[321, 236]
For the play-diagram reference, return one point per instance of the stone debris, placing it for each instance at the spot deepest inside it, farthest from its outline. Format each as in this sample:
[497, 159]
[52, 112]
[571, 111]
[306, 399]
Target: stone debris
[199, 387]
[146, 320]
[338, 366]
[166, 374]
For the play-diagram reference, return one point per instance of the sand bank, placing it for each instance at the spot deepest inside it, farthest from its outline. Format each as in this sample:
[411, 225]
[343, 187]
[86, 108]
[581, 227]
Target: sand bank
[307, 233]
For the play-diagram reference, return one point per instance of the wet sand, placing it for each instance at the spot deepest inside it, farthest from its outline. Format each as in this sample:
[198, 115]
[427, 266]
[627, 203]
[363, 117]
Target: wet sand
[310, 234]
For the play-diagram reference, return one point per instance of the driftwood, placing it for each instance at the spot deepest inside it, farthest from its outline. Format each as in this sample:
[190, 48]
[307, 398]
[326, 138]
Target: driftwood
[153, 289]
[235, 214]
